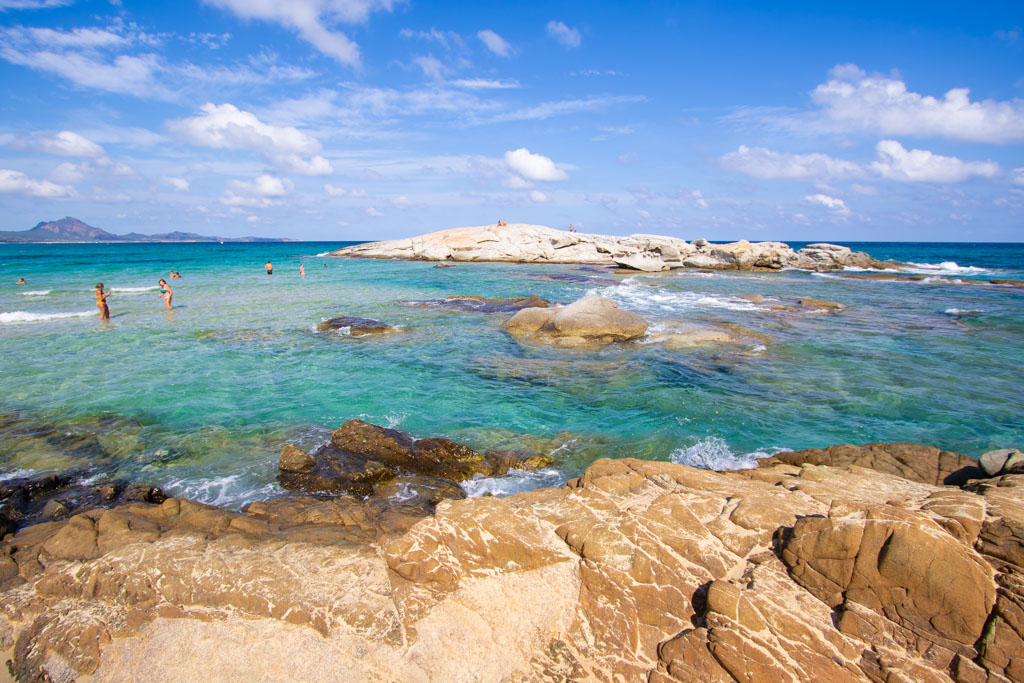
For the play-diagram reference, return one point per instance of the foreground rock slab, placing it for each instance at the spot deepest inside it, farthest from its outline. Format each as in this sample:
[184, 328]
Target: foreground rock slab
[637, 570]
[524, 243]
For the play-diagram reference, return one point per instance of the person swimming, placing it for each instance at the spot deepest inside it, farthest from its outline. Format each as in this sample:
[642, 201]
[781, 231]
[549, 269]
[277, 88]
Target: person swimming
[101, 302]
[270, 268]
[21, 281]
[175, 275]
[166, 292]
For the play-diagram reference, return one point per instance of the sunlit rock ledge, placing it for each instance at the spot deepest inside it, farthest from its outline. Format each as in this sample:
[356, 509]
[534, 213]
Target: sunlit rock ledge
[852, 563]
[522, 243]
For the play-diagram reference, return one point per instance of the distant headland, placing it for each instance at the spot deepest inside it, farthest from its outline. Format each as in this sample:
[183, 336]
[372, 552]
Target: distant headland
[70, 229]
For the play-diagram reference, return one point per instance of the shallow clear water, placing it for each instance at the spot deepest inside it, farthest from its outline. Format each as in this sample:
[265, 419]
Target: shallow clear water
[201, 399]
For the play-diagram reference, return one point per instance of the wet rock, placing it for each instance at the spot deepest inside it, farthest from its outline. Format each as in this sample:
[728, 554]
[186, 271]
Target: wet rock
[444, 265]
[819, 305]
[294, 459]
[361, 456]
[753, 298]
[1010, 283]
[642, 262]
[54, 510]
[143, 493]
[912, 461]
[418, 491]
[355, 327]
[481, 304]
[687, 336]
[590, 320]
[1002, 461]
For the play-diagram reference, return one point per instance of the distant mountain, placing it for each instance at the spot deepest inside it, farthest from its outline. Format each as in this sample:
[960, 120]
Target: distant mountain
[70, 229]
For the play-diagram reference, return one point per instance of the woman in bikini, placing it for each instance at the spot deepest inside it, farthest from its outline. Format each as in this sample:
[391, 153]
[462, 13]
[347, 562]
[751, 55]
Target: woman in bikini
[101, 302]
[165, 292]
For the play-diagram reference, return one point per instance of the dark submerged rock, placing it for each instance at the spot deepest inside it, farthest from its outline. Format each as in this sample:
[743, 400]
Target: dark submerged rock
[357, 327]
[481, 304]
[362, 457]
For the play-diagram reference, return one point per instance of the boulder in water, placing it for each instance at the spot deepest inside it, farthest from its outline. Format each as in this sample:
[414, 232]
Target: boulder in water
[591, 320]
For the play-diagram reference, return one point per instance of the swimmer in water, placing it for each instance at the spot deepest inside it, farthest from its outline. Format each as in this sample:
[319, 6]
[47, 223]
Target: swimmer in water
[21, 281]
[175, 274]
[101, 302]
[302, 270]
[166, 292]
[270, 268]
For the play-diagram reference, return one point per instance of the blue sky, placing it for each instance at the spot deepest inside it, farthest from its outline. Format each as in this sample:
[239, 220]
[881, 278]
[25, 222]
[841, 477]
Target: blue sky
[371, 119]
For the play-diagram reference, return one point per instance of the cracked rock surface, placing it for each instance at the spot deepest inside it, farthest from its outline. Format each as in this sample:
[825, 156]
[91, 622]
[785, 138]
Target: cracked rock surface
[825, 569]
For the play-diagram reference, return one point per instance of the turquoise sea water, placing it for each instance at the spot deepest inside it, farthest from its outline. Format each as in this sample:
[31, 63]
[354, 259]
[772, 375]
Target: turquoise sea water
[201, 399]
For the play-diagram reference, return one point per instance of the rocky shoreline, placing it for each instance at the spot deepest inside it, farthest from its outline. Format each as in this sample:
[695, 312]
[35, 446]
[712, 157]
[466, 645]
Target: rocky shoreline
[887, 561]
[523, 243]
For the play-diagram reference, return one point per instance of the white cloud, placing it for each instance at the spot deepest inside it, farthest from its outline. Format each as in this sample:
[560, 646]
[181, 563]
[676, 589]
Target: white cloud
[263, 191]
[893, 162]
[1018, 176]
[16, 182]
[495, 43]
[32, 4]
[227, 127]
[538, 196]
[67, 174]
[67, 143]
[569, 37]
[484, 84]
[179, 184]
[878, 103]
[832, 203]
[335, 191]
[515, 182]
[371, 211]
[698, 199]
[533, 166]
[759, 162]
[919, 165]
[866, 190]
[310, 19]
[401, 202]
[432, 67]
[546, 110]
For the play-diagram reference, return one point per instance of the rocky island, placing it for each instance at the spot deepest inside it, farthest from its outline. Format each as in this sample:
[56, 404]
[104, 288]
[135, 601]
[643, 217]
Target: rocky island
[522, 243]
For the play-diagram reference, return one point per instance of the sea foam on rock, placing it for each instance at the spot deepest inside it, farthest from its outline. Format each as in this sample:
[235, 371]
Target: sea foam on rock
[637, 570]
[523, 243]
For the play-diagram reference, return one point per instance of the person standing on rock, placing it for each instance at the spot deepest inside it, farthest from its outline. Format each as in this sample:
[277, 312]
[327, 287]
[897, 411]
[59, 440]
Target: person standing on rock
[270, 268]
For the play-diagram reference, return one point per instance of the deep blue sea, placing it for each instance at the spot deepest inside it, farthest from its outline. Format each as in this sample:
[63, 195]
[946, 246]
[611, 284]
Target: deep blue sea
[200, 399]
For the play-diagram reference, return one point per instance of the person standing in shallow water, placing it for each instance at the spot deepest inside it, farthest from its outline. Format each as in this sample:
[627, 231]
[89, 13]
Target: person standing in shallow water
[166, 292]
[270, 268]
[101, 302]
[302, 270]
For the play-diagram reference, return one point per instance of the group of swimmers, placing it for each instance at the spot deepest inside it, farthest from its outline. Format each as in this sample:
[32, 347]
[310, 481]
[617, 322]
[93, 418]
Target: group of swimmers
[101, 295]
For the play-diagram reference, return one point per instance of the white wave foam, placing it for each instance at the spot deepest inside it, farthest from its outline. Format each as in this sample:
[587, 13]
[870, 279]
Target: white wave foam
[134, 290]
[232, 491]
[635, 296]
[515, 481]
[946, 267]
[16, 474]
[713, 453]
[26, 317]
[963, 311]
[35, 292]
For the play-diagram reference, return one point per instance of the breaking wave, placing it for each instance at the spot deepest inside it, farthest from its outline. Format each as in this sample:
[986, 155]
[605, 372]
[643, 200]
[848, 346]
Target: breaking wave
[25, 317]
[713, 453]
